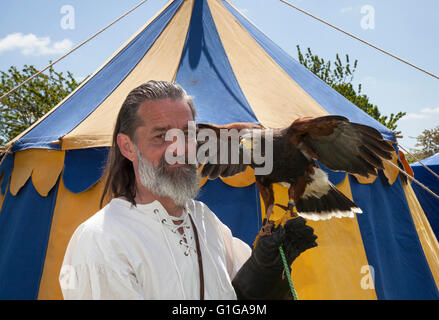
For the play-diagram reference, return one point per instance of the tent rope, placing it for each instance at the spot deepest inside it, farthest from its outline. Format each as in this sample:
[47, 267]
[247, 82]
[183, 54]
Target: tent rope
[5, 154]
[359, 39]
[413, 178]
[418, 160]
[71, 51]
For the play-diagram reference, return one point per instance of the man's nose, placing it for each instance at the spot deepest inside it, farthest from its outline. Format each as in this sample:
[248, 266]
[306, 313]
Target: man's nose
[175, 147]
[180, 146]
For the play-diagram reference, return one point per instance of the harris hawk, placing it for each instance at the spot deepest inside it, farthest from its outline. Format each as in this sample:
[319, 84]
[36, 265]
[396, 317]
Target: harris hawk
[337, 143]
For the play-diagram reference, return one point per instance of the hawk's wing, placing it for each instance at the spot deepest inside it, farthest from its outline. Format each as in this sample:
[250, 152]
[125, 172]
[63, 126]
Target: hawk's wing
[341, 145]
[227, 136]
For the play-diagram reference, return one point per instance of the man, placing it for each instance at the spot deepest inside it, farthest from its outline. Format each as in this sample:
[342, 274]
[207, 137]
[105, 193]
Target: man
[152, 240]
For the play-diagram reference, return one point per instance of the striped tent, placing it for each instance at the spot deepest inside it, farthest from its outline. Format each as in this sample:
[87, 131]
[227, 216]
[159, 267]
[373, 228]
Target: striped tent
[429, 203]
[51, 174]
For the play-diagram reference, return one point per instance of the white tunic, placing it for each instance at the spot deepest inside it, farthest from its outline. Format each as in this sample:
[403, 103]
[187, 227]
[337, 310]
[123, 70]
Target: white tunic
[135, 252]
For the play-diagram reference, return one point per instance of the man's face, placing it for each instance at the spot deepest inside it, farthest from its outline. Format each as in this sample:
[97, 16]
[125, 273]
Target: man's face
[178, 181]
[158, 117]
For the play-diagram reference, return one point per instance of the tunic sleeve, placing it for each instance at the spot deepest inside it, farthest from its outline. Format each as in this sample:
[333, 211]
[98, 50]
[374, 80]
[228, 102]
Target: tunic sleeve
[91, 271]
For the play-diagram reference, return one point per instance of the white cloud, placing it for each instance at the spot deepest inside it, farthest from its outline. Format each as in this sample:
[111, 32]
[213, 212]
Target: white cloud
[409, 116]
[30, 44]
[430, 111]
[425, 113]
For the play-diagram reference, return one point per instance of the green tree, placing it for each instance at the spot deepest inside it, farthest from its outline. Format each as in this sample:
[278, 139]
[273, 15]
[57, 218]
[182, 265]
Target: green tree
[427, 143]
[339, 76]
[26, 105]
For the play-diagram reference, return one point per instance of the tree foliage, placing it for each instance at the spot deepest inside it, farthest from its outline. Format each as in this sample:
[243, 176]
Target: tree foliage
[339, 75]
[26, 105]
[428, 141]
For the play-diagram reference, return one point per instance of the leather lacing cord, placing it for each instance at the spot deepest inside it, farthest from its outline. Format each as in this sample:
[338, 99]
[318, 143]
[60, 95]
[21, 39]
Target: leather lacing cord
[198, 249]
[157, 212]
[200, 259]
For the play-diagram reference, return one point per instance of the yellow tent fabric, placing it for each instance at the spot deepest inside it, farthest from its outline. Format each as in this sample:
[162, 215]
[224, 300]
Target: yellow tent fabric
[426, 235]
[159, 63]
[70, 211]
[333, 270]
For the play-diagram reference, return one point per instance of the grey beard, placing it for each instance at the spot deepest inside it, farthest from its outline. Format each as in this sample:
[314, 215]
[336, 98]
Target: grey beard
[180, 184]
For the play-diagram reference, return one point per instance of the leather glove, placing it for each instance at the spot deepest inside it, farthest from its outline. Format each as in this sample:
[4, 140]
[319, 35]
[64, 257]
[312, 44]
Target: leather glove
[261, 275]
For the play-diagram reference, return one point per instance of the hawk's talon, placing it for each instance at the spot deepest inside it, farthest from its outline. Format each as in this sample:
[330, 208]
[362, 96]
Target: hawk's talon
[267, 227]
[266, 230]
[290, 212]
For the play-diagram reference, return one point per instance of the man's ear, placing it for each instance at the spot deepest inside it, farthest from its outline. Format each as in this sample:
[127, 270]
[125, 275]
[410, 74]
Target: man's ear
[126, 146]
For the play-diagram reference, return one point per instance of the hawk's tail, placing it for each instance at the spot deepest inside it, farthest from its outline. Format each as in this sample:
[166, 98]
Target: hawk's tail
[321, 200]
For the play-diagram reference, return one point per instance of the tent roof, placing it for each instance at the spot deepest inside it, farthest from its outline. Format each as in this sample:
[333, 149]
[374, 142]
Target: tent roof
[429, 203]
[430, 161]
[233, 70]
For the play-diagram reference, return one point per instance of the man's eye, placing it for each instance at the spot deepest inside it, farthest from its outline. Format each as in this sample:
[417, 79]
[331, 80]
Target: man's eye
[160, 137]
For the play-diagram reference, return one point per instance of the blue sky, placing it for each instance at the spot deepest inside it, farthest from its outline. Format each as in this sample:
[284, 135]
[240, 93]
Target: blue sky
[32, 32]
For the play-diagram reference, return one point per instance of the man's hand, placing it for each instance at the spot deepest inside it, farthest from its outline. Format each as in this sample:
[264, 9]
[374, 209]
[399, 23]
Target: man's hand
[261, 276]
[295, 237]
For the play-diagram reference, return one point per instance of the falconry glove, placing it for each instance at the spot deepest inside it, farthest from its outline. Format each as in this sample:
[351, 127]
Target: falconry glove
[261, 275]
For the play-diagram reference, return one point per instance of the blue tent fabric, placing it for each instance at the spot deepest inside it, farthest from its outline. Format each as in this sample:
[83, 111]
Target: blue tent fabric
[238, 208]
[387, 220]
[90, 96]
[429, 203]
[25, 222]
[6, 171]
[336, 177]
[432, 161]
[83, 168]
[205, 69]
[328, 98]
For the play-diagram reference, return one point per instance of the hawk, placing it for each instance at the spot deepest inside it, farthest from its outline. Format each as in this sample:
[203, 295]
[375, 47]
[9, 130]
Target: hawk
[334, 141]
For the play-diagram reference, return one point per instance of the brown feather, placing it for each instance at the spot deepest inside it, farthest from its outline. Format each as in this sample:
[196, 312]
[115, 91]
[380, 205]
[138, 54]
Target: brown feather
[213, 171]
[370, 157]
[216, 172]
[378, 146]
[321, 126]
[207, 170]
[371, 132]
[365, 169]
[235, 125]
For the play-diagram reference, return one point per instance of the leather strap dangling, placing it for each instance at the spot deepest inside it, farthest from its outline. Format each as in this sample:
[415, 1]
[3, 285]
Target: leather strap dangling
[200, 260]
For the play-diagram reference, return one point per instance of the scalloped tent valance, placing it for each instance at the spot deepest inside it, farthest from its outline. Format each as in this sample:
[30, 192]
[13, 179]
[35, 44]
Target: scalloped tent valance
[83, 168]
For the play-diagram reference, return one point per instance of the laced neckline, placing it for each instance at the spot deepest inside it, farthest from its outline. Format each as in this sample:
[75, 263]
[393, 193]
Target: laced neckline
[175, 224]
[160, 213]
